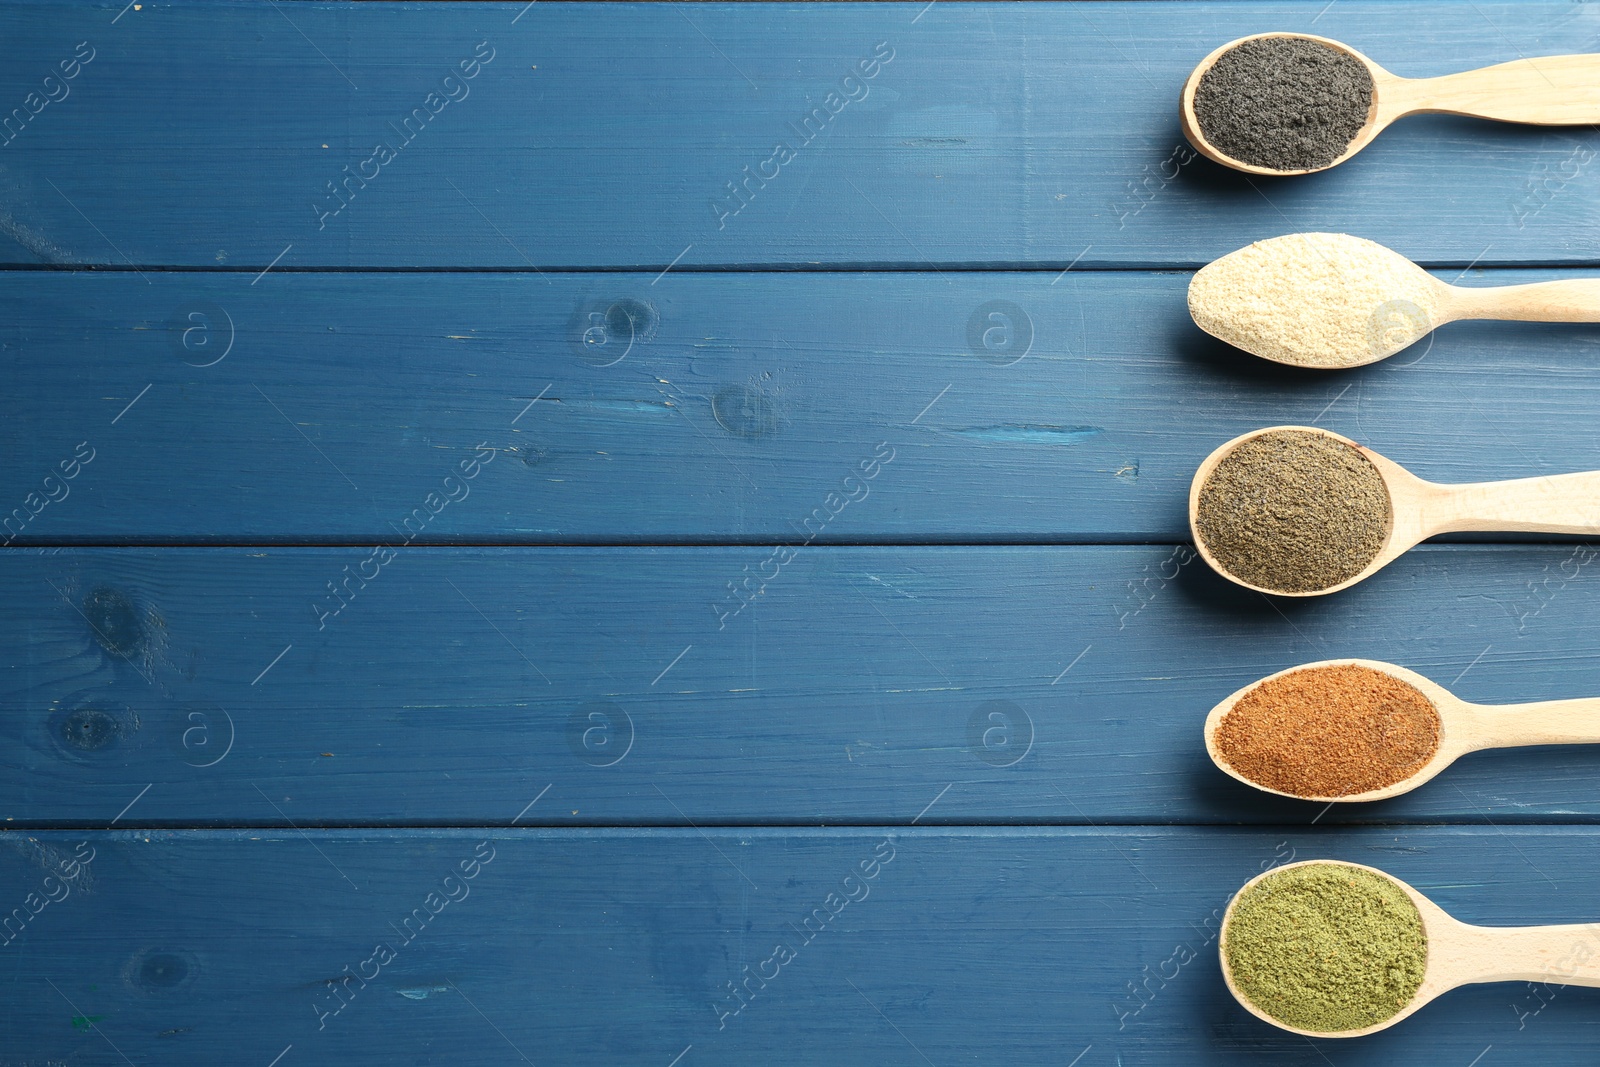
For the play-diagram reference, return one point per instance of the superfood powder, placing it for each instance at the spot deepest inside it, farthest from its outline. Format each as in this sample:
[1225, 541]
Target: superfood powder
[1315, 300]
[1293, 511]
[1326, 947]
[1285, 103]
[1330, 731]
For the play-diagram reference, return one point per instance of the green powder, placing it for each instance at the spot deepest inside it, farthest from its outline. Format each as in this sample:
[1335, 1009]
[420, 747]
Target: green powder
[1326, 947]
[1294, 511]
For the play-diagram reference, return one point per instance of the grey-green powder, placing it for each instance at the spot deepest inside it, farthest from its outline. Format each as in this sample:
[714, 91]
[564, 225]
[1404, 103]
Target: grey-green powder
[1294, 511]
[1326, 947]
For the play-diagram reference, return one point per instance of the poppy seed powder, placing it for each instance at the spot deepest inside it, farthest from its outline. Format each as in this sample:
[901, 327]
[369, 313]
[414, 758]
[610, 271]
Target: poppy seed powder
[1283, 103]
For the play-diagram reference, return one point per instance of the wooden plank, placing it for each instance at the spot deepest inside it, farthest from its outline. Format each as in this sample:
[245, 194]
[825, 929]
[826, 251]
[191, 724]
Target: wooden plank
[616, 947]
[1041, 685]
[996, 135]
[742, 402]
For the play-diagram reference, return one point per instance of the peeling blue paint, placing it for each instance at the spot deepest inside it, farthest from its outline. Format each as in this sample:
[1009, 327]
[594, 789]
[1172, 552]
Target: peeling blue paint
[422, 992]
[1030, 434]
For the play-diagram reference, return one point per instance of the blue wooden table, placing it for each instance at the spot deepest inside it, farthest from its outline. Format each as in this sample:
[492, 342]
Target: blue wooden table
[654, 534]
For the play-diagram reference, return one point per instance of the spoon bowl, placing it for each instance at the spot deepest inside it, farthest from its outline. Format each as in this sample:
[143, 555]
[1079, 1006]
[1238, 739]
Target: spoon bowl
[1562, 503]
[1197, 137]
[1332, 301]
[1463, 728]
[1457, 954]
[1404, 529]
[1543, 91]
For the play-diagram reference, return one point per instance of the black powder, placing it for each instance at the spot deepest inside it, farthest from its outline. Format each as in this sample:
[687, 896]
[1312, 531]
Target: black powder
[1294, 511]
[1283, 102]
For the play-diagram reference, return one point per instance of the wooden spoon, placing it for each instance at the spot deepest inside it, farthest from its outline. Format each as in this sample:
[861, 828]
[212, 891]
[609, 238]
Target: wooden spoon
[1458, 954]
[1544, 91]
[1340, 320]
[1555, 503]
[1463, 727]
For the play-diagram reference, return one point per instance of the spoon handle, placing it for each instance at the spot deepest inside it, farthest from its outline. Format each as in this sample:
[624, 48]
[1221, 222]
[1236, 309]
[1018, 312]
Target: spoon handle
[1546, 722]
[1546, 91]
[1560, 955]
[1566, 300]
[1555, 503]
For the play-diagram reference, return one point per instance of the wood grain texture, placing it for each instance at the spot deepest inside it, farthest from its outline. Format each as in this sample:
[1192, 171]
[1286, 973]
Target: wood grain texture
[1548, 91]
[615, 947]
[997, 135]
[676, 739]
[730, 412]
[1054, 685]
[1568, 300]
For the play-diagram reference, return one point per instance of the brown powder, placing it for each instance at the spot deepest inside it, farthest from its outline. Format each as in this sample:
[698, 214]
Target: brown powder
[1329, 731]
[1293, 511]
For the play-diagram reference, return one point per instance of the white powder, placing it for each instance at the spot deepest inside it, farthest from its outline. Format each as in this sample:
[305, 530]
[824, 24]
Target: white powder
[1315, 299]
